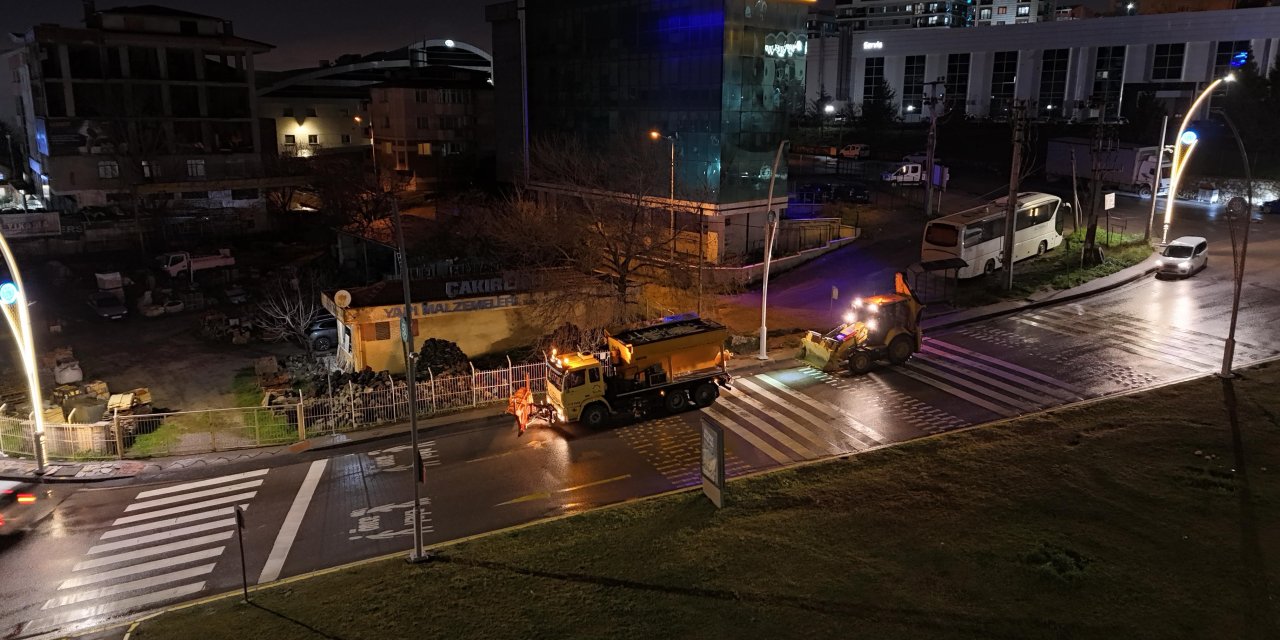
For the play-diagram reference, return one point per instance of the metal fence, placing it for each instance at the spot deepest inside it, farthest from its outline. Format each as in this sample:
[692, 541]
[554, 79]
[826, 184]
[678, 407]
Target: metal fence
[337, 411]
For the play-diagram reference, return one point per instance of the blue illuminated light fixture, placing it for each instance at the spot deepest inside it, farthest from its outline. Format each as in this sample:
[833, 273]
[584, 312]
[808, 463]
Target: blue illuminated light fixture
[8, 293]
[1239, 59]
[1189, 137]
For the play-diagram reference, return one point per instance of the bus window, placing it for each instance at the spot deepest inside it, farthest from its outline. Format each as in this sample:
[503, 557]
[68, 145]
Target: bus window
[973, 236]
[942, 235]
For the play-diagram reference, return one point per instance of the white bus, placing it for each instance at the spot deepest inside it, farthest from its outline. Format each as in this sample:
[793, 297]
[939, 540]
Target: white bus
[977, 235]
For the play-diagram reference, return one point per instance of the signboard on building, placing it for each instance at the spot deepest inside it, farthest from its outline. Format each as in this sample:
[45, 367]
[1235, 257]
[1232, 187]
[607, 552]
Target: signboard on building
[30, 225]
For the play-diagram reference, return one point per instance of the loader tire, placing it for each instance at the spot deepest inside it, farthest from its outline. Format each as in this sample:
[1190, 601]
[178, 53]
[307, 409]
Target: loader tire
[901, 348]
[860, 362]
[594, 415]
[705, 394]
[677, 400]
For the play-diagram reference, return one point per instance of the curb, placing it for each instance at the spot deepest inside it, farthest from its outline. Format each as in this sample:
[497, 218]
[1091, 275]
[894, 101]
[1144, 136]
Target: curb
[56, 480]
[1067, 296]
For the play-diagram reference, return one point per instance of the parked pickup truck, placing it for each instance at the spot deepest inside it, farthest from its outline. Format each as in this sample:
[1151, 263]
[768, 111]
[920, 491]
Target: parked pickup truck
[176, 262]
[912, 173]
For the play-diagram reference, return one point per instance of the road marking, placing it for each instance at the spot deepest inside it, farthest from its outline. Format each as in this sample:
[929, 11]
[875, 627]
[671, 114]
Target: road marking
[202, 483]
[153, 551]
[931, 359]
[171, 522]
[996, 409]
[748, 435]
[186, 507]
[203, 554]
[163, 535]
[125, 587]
[837, 414]
[769, 430]
[125, 604]
[547, 494]
[158, 502]
[292, 521]
[804, 431]
[1032, 373]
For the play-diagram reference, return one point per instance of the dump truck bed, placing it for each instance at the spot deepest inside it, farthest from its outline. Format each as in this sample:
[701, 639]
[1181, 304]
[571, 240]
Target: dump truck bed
[679, 346]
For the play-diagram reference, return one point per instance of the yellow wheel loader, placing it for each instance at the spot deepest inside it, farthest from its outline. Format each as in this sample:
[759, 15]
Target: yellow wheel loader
[882, 327]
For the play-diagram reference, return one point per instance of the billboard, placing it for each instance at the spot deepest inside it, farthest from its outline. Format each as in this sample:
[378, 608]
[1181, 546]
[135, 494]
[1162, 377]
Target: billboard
[30, 224]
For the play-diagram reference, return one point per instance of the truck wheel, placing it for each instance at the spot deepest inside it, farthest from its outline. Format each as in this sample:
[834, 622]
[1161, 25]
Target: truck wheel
[705, 394]
[859, 363]
[1044, 246]
[989, 268]
[594, 415]
[677, 400]
[1144, 191]
[901, 348]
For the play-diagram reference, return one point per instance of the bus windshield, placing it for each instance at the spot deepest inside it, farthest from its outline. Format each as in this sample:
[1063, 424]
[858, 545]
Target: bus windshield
[942, 235]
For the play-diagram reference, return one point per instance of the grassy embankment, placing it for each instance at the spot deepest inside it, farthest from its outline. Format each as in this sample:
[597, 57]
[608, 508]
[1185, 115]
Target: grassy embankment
[1150, 516]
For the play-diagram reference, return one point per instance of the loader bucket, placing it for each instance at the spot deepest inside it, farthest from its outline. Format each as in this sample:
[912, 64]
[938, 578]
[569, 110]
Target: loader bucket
[815, 352]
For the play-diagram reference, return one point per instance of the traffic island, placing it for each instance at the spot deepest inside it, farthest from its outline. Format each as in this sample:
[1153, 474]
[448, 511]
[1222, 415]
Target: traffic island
[1153, 515]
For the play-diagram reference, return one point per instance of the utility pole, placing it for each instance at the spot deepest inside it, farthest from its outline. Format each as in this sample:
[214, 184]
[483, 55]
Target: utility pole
[410, 360]
[1015, 181]
[1158, 180]
[934, 103]
[1101, 145]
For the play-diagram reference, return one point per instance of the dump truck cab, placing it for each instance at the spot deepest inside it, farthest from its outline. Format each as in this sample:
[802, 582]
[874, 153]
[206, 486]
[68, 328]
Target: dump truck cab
[574, 382]
[880, 327]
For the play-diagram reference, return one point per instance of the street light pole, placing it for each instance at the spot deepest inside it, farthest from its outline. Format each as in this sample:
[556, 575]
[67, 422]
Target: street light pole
[1180, 159]
[410, 362]
[14, 297]
[770, 230]
[671, 203]
[1228, 350]
[1159, 177]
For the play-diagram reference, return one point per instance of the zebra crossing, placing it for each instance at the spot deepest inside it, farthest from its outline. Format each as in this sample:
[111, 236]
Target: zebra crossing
[162, 549]
[674, 450]
[787, 425]
[1183, 348]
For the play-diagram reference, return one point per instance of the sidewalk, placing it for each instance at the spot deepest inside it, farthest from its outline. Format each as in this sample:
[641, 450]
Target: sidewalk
[743, 365]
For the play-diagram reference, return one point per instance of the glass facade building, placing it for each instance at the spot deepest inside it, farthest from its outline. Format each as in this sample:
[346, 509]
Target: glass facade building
[718, 75]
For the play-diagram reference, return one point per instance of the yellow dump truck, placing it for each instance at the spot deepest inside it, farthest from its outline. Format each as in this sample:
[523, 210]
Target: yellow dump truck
[671, 366]
[882, 327]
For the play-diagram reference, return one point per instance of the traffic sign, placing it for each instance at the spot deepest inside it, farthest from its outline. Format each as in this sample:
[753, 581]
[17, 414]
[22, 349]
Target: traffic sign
[404, 330]
[1109, 201]
[713, 462]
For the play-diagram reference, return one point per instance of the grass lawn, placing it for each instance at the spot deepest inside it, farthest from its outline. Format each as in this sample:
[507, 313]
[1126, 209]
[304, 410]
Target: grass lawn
[1149, 516]
[1057, 269]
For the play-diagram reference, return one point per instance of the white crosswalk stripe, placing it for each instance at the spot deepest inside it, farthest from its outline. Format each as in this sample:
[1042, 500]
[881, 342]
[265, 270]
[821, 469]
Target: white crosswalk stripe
[163, 550]
[786, 424]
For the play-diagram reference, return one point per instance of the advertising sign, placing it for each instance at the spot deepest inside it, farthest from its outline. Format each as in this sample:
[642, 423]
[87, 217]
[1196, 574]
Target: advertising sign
[30, 225]
[713, 462]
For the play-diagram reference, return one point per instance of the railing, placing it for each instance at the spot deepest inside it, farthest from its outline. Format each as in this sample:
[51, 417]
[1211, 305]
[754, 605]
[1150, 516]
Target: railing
[340, 410]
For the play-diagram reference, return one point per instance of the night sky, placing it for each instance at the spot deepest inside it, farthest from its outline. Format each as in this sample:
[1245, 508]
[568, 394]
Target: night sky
[303, 31]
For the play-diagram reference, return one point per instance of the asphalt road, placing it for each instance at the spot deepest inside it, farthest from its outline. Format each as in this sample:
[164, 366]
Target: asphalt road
[106, 552]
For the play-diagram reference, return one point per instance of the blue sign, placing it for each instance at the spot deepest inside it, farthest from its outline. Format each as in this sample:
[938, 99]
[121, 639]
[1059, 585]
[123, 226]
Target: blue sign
[1239, 59]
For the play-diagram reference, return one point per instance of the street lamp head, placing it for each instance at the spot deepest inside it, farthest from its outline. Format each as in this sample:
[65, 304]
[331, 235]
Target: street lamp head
[449, 43]
[831, 108]
[911, 107]
[1189, 137]
[1230, 77]
[8, 293]
[358, 119]
[655, 134]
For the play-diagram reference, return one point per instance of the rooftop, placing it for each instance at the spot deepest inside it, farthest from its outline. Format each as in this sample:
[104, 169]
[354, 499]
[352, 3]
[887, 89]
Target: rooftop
[156, 10]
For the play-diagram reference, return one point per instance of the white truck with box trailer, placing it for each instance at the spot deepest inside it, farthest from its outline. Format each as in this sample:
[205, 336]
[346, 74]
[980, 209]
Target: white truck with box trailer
[1125, 166]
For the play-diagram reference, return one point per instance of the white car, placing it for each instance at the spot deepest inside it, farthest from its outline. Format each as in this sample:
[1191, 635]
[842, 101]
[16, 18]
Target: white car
[1183, 257]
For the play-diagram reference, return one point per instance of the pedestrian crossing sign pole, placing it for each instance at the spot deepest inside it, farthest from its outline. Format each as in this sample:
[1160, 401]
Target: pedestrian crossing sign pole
[244, 577]
[713, 462]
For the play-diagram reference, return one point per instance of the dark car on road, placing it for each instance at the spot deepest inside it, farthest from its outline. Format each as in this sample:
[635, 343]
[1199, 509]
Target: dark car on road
[1272, 206]
[106, 305]
[852, 192]
[18, 506]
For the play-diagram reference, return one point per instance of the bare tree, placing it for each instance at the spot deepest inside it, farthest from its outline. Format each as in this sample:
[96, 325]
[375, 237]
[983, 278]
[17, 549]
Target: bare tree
[288, 307]
[602, 215]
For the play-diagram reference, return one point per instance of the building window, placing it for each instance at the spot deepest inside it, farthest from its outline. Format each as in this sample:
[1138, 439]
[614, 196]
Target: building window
[195, 195]
[450, 148]
[195, 168]
[1108, 81]
[150, 169]
[289, 138]
[313, 139]
[454, 96]
[386, 122]
[1053, 81]
[382, 331]
[1000, 11]
[872, 79]
[421, 95]
[984, 14]
[1166, 64]
[386, 147]
[423, 122]
[1024, 10]
[286, 112]
[1004, 75]
[108, 169]
[913, 84]
[244, 194]
[311, 112]
[956, 86]
[1226, 51]
[424, 148]
[346, 138]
